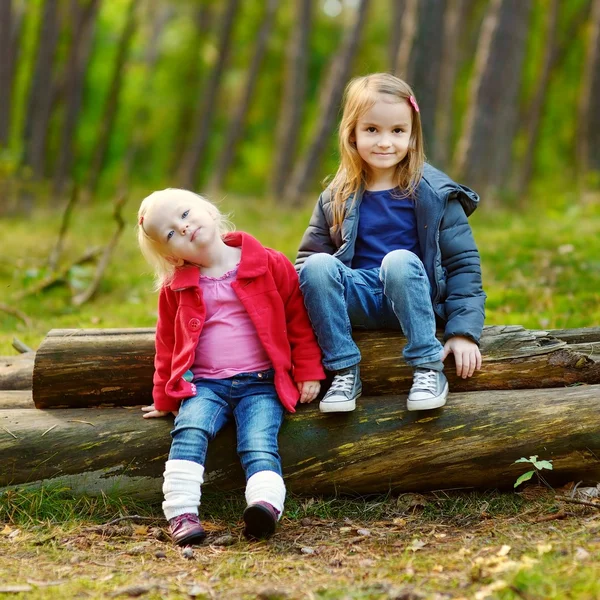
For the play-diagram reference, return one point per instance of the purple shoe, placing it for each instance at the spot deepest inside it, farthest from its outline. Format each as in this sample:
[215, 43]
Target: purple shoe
[260, 519]
[186, 530]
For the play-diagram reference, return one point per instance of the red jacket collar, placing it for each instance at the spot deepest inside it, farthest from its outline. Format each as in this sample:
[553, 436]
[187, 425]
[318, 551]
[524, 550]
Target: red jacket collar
[253, 263]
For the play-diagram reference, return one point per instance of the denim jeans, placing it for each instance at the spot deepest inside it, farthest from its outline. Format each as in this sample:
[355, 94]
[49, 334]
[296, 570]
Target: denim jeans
[248, 398]
[394, 296]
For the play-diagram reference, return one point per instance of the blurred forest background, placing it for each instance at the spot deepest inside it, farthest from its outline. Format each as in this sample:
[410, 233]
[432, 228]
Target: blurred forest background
[103, 101]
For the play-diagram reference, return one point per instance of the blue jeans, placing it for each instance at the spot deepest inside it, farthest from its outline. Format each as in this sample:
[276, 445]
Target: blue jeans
[250, 399]
[394, 296]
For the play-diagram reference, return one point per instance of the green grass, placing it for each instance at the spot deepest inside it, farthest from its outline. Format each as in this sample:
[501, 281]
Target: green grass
[541, 266]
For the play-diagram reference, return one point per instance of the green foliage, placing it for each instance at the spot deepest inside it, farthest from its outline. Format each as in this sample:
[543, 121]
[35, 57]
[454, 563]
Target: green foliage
[538, 466]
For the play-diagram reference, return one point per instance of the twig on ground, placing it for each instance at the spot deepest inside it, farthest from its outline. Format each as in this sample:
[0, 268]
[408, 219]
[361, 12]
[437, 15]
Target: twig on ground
[61, 275]
[57, 250]
[131, 518]
[15, 312]
[20, 346]
[84, 296]
[577, 501]
[561, 514]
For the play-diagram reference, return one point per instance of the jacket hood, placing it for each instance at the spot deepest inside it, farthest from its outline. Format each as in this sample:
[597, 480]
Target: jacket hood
[443, 186]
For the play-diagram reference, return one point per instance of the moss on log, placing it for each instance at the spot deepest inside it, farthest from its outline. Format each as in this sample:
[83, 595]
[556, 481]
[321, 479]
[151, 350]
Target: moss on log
[471, 443]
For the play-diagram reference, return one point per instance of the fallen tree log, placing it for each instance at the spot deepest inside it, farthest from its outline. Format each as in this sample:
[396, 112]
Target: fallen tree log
[16, 399]
[471, 443]
[16, 371]
[94, 367]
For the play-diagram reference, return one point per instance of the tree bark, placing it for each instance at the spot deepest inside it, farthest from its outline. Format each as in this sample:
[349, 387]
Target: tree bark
[5, 69]
[294, 95]
[305, 170]
[588, 138]
[111, 104]
[471, 443]
[16, 399]
[81, 368]
[84, 21]
[16, 372]
[397, 17]
[40, 100]
[194, 155]
[408, 32]
[485, 148]
[238, 120]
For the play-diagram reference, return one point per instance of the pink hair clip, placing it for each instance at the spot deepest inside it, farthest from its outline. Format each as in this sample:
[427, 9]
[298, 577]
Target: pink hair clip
[141, 220]
[413, 101]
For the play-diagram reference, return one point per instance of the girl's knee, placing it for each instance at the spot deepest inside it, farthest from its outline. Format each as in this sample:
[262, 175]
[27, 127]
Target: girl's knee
[318, 267]
[399, 264]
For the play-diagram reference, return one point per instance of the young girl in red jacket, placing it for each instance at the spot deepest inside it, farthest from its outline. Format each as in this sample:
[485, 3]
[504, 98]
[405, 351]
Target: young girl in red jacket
[233, 342]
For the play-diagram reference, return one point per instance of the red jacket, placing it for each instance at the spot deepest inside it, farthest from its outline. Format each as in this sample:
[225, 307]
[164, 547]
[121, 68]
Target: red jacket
[267, 286]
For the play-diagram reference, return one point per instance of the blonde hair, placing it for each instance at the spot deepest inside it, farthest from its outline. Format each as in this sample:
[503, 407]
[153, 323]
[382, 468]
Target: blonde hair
[360, 95]
[152, 249]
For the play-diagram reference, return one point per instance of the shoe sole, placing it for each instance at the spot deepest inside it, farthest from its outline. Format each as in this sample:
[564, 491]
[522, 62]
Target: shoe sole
[259, 522]
[334, 407]
[191, 540]
[436, 402]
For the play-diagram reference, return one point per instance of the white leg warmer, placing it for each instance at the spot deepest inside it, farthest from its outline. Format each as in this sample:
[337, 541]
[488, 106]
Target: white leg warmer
[266, 486]
[181, 487]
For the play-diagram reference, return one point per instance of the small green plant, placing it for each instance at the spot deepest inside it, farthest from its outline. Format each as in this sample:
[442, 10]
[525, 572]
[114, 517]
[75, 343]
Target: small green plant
[538, 466]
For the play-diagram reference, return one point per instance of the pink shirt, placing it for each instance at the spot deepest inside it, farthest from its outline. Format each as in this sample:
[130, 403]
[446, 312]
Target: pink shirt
[229, 343]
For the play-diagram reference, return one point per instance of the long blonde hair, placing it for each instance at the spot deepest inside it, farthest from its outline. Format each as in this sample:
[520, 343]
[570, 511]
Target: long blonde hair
[360, 95]
[152, 249]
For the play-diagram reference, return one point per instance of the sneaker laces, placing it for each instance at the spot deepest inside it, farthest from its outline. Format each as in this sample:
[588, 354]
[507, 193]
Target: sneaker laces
[342, 383]
[425, 380]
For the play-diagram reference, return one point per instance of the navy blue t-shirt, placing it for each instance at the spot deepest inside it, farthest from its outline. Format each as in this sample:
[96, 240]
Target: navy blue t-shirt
[386, 222]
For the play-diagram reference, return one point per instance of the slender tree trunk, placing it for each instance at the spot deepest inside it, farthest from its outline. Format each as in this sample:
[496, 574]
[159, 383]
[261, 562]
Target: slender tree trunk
[397, 16]
[408, 33]
[237, 123]
[305, 170]
[485, 148]
[294, 95]
[426, 60]
[111, 104]
[454, 20]
[537, 103]
[5, 69]
[40, 101]
[194, 155]
[588, 138]
[84, 21]
[192, 73]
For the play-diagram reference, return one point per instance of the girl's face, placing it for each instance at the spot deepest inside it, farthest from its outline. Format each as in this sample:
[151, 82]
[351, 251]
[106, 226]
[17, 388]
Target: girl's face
[382, 136]
[182, 226]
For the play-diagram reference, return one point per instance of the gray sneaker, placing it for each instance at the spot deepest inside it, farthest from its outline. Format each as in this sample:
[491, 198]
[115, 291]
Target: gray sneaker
[429, 390]
[345, 389]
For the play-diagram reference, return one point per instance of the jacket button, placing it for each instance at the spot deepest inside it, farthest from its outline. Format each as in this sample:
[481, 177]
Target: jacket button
[194, 324]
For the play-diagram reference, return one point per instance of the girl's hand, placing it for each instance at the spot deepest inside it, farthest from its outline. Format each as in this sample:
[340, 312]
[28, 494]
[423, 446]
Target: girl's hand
[466, 355]
[309, 390]
[151, 412]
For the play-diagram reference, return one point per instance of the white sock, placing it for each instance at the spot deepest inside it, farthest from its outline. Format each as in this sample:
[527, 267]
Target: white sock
[266, 486]
[181, 487]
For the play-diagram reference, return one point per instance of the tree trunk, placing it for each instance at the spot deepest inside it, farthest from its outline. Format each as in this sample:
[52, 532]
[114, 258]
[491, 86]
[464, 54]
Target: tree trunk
[304, 172]
[111, 104]
[194, 155]
[5, 69]
[81, 368]
[425, 65]
[408, 32]
[84, 22]
[16, 372]
[397, 17]
[471, 443]
[40, 101]
[294, 95]
[588, 138]
[485, 148]
[238, 120]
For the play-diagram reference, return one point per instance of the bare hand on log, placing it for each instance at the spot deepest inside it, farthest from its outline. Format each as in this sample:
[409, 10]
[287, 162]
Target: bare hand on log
[152, 413]
[466, 355]
[309, 390]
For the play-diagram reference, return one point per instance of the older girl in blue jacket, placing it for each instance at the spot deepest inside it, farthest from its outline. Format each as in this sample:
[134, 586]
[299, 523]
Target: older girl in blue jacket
[389, 246]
